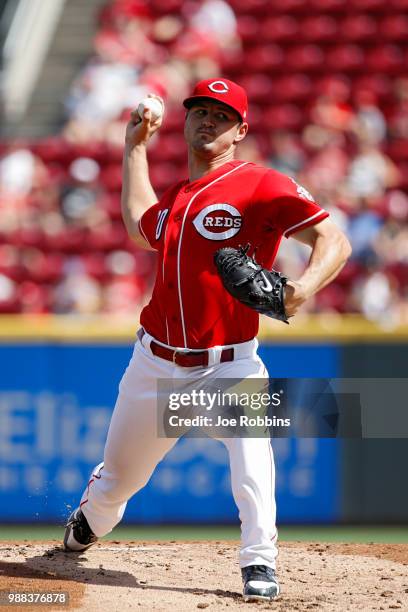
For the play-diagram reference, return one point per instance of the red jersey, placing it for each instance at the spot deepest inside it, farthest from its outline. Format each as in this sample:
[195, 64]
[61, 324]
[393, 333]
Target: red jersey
[238, 203]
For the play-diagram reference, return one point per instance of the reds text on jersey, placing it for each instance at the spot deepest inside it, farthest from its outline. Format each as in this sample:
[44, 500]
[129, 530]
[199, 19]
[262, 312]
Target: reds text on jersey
[236, 204]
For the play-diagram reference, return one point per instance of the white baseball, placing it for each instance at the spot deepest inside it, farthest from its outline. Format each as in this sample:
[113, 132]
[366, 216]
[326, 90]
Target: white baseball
[154, 105]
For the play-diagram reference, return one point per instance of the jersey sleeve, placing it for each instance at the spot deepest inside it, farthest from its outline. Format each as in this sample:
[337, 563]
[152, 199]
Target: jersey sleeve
[152, 224]
[291, 207]
[148, 223]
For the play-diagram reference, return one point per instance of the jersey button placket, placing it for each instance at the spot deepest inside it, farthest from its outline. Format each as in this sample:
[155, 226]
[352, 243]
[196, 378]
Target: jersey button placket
[171, 285]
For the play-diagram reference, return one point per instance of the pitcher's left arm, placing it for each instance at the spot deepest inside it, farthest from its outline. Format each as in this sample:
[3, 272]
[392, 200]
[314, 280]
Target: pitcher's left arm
[330, 251]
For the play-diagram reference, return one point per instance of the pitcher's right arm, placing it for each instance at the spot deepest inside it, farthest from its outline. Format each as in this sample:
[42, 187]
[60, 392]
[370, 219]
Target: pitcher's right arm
[137, 192]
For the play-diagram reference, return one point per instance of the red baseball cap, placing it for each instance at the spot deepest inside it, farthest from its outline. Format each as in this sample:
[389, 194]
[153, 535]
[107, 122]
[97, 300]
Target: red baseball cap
[222, 90]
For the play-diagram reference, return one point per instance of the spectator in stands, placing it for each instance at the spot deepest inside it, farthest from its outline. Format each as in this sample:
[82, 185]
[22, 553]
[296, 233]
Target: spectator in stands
[166, 29]
[287, 155]
[80, 196]
[128, 40]
[200, 50]
[398, 122]
[391, 243]
[216, 18]
[33, 298]
[376, 295]
[169, 80]
[332, 109]
[121, 295]
[249, 150]
[363, 230]
[371, 172]
[101, 92]
[21, 172]
[327, 161]
[369, 121]
[77, 293]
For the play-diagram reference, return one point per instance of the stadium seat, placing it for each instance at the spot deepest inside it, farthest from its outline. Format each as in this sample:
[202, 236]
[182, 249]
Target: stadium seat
[350, 273]
[394, 28]
[173, 120]
[95, 150]
[111, 177]
[95, 266]
[162, 175]
[398, 150]
[335, 86]
[232, 64]
[165, 7]
[169, 147]
[281, 28]
[27, 237]
[260, 88]
[386, 59]
[400, 5]
[107, 238]
[379, 84]
[327, 6]
[112, 155]
[250, 7]
[54, 150]
[399, 271]
[368, 6]
[403, 168]
[289, 6]
[345, 58]
[68, 240]
[318, 28]
[357, 29]
[305, 58]
[10, 305]
[291, 88]
[41, 267]
[332, 298]
[265, 58]
[256, 117]
[33, 298]
[248, 29]
[111, 204]
[283, 116]
[10, 265]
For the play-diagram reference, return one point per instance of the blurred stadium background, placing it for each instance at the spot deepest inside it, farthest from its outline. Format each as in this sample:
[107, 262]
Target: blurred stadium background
[328, 87]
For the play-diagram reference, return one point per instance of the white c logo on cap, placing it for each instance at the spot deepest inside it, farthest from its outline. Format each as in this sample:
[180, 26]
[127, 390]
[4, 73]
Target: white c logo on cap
[218, 87]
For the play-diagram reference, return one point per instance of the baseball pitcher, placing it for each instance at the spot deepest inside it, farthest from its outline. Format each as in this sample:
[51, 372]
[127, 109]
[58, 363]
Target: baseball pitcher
[202, 319]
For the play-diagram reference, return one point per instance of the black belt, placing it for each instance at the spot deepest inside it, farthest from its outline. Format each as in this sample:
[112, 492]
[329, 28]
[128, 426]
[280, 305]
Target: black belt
[185, 359]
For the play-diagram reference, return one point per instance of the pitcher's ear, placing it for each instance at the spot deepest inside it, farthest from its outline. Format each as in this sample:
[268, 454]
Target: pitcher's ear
[242, 132]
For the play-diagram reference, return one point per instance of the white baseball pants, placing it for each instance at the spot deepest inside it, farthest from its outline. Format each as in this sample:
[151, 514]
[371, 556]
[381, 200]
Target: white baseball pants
[133, 450]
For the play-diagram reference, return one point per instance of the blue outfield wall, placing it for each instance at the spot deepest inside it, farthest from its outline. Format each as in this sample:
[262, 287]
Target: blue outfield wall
[55, 405]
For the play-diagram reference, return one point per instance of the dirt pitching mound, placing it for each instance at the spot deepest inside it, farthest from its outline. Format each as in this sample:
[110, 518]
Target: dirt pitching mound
[185, 576]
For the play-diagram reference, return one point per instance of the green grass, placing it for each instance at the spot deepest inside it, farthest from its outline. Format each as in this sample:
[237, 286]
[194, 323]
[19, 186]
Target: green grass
[316, 533]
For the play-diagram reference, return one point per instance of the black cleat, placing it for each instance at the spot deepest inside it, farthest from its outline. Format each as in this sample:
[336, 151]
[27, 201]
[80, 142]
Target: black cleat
[78, 535]
[260, 583]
